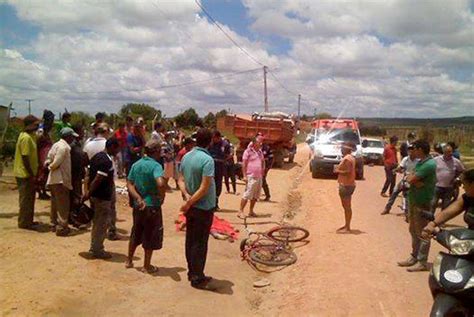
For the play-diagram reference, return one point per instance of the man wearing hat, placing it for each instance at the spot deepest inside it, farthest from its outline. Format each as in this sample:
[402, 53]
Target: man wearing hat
[147, 189]
[25, 168]
[407, 166]
[59, 180]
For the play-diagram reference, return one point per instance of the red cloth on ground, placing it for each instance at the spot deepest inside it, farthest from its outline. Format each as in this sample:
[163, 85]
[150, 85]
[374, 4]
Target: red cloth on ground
[219, 225]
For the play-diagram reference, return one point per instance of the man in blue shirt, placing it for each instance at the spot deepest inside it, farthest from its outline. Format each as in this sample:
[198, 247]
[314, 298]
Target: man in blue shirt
[147, 189]
[196, 182]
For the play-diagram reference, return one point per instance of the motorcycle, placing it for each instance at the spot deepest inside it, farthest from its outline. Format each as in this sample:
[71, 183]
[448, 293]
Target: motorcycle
[451, 279]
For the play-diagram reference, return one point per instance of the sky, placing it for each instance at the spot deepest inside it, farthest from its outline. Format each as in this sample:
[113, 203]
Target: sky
[392, 58]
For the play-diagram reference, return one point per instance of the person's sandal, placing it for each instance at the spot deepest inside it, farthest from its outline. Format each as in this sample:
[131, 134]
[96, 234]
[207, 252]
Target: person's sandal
[151, 270]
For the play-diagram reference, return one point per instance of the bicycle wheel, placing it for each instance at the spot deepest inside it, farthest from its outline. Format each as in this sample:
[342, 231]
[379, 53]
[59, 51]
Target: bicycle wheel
[243, 244]
[272, 255]
[288, 233]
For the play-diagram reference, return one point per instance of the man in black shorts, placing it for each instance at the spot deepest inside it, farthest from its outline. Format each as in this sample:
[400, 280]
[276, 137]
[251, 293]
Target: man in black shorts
[147, 189]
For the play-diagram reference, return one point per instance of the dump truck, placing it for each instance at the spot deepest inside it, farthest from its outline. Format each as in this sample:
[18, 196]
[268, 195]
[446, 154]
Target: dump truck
[277, 128]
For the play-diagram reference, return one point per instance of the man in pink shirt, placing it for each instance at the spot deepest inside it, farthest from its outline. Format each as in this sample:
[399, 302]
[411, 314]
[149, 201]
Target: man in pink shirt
[253, 166]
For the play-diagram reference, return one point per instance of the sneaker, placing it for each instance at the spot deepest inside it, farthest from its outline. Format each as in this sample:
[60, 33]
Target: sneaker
[409, 262]
[203, 284]
[102, 255]
[420, 267]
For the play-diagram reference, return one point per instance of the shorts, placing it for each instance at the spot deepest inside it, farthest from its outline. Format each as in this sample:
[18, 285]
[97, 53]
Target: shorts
[346, 191]
[147, 228]
[253, 188]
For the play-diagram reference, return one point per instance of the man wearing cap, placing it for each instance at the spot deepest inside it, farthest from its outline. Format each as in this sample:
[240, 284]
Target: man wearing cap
[91, 148]
[25, 169]
[147, 188]
[59, 181]
[407, 166]
[101, 192]
[422, 188]
[96, 144]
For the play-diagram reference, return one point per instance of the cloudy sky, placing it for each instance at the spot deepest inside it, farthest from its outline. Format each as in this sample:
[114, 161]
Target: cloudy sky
[392, 58]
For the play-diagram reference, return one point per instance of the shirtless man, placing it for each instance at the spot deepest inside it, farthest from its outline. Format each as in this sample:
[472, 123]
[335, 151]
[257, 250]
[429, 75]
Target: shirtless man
[346, 180]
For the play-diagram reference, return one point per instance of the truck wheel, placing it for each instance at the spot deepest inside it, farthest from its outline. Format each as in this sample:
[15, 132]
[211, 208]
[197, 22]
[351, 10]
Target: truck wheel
[314, 173]
[360, 173]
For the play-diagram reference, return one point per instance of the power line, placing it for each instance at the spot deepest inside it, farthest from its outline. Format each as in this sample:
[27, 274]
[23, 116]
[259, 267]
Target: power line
[282, 85]
[178, 85]
[226, 34]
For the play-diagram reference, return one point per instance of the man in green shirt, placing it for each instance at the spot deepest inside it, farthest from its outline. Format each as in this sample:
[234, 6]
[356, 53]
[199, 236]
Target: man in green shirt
[25, 168]
[147, 189]
[64, 123]
[196, 182]
[422, 189]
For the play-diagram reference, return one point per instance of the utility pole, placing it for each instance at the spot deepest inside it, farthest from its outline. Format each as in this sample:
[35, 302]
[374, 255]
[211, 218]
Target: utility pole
[299, 105]
[29, 105]
[265, 68]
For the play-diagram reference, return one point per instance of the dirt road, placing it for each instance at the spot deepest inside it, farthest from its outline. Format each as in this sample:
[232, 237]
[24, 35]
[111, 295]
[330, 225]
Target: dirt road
[350, 274]
[336, 275]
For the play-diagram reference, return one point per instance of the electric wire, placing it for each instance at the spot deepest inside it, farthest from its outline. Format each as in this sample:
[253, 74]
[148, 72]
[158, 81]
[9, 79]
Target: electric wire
[226, 34]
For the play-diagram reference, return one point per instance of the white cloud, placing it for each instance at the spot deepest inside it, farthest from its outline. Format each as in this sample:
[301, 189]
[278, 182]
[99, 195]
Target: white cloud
[367, 58]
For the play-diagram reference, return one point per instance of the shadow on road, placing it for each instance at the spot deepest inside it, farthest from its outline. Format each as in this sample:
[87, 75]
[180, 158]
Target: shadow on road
[171, 272]
[223, 287]
[288, 166]
[116, 257]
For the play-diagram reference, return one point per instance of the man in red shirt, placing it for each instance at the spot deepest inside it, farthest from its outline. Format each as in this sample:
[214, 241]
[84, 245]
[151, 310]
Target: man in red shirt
[390, 162]
[121, 136]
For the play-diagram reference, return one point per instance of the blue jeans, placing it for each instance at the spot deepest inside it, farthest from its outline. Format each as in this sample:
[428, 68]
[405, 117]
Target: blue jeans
[443, 193]
[398, 189]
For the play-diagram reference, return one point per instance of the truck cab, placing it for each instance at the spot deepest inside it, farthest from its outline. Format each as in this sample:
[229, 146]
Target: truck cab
[325, 141]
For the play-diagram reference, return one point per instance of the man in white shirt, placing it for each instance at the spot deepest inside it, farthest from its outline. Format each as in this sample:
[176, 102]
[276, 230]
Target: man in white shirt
[407, 166]
[447, 169]
[97, 143]
[91, 148]
[59, 180]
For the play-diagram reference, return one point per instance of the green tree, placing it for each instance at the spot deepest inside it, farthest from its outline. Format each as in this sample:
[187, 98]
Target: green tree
[188, 118]
[323, 115]
[81, 118]
[140, 110]
[221, 113]
[210, 120]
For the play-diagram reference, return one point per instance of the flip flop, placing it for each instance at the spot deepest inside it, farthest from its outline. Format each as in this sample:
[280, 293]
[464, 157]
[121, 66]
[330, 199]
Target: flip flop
[240, 215]
[253, 215]
[129, 265]
[151, 270]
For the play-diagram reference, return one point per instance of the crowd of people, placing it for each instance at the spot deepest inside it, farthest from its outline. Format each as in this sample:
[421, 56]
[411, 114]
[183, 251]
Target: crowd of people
[431, 177]
[56, 157]
[428, 178]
